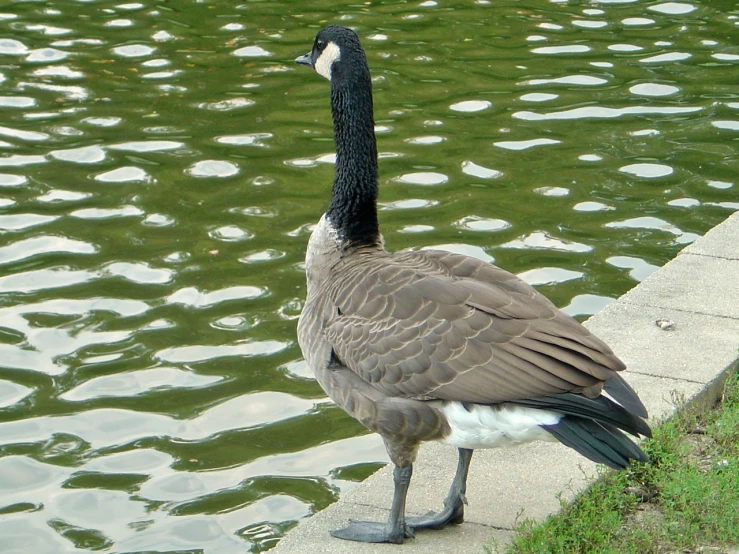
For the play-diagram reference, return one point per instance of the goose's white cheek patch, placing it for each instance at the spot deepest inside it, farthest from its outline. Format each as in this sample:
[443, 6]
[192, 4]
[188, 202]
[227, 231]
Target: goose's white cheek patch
[324, 62]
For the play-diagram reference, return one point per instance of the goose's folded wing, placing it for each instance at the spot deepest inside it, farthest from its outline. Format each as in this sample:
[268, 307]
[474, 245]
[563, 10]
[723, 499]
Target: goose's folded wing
[439, 325]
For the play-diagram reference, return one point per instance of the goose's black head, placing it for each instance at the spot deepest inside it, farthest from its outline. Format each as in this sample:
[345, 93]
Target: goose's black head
[336, 55]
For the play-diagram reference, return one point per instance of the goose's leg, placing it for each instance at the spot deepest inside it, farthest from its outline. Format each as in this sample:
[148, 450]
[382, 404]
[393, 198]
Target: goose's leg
[395, 530]
[453, 511]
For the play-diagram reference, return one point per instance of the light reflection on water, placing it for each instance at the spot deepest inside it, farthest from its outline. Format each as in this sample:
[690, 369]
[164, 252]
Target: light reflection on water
[160, 171]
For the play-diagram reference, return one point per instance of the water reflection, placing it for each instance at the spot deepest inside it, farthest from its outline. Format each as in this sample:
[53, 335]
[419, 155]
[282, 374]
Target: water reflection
[160, 173]
[524, 144]
[423, 178]
[653, 89]
[470, 106]
[647, 170]
[595, 112]
[648, 222]
[471, 168]
[541, 240]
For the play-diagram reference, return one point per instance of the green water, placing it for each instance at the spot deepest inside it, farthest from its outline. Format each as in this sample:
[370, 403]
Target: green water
[161, 165]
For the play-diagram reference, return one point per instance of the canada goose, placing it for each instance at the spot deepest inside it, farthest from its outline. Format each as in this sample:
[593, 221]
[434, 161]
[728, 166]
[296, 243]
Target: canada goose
[432, 345]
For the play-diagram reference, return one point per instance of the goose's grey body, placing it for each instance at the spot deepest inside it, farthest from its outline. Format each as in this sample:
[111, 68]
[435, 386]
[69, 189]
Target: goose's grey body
[432, 345]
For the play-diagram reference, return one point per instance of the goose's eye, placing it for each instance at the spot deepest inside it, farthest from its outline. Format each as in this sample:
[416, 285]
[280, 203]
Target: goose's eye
[320, 45]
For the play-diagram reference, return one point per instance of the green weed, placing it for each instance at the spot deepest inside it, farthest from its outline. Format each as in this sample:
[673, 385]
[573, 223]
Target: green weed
[686, 498]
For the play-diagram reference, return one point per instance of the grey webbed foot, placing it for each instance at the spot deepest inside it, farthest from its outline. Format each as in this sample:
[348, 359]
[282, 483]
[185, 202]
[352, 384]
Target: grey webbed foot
[372, 531]
[451, 514]
[395, 529]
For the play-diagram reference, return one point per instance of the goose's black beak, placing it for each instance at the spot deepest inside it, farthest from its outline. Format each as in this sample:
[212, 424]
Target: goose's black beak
[305, 59]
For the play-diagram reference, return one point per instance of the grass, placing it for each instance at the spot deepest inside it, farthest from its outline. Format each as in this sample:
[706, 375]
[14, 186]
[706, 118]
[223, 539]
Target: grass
[685, 500]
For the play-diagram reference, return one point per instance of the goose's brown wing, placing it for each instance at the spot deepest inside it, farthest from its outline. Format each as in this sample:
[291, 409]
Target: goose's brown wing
[434, 324]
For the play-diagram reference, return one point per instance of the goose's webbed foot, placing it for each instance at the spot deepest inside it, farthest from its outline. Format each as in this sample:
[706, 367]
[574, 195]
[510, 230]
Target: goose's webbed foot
[373, 531]
[395, 529]
[451, 514]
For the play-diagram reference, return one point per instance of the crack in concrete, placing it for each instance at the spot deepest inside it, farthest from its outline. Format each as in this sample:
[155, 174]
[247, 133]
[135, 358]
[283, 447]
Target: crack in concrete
[731, 259]
[683, 310]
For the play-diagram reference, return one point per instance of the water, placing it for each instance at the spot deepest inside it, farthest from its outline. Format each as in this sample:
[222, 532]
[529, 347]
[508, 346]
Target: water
[161, 165]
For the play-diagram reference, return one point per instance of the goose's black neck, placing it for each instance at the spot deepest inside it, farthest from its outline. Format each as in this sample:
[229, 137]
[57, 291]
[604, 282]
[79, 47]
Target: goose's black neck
[353, 207]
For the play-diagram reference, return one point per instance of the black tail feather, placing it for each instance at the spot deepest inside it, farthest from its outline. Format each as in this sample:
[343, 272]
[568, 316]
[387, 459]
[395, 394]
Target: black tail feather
[600, 442]
[622, 393]
[600, 409]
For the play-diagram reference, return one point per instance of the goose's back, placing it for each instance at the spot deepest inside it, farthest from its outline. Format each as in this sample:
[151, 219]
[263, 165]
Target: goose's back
[437, 325]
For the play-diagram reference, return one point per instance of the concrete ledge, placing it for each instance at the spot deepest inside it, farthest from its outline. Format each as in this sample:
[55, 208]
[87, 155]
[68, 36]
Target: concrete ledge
[698, 292]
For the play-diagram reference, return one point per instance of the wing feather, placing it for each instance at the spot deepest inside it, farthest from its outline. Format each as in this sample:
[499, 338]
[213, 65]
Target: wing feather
[433, 324]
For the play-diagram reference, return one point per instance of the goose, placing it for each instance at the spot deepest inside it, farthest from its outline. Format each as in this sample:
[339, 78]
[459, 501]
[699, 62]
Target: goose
[436, 346]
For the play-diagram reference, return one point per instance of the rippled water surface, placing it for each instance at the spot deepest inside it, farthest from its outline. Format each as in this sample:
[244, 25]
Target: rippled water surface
[161, 165]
